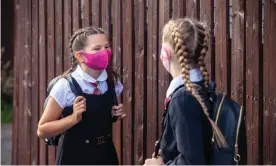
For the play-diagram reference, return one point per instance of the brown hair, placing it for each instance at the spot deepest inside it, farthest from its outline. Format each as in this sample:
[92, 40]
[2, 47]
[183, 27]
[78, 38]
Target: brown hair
[189, 40]
[78, 41]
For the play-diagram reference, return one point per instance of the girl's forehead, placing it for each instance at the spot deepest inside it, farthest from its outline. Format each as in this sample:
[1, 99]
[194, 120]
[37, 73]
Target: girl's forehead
[97, 39]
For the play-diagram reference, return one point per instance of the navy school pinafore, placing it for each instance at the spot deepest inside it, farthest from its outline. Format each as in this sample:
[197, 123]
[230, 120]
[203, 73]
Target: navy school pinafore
[90, 141]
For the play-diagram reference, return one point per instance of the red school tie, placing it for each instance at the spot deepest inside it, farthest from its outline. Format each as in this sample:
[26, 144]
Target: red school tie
[96, 89]
[167, 99]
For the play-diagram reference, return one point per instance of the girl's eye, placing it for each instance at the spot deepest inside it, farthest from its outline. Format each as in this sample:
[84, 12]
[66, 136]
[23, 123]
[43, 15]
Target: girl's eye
[107, 47]
[97, 48]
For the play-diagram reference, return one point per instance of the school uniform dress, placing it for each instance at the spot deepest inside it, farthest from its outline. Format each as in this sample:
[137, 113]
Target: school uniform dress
[186, 130]
[90, 141]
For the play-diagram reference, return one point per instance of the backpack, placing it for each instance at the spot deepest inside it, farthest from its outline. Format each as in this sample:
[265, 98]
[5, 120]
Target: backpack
[230, 118]
[76, 89]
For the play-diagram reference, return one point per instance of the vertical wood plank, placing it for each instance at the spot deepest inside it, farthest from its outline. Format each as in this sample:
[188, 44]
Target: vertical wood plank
[67, 31]
[25, 145]
[139, 100]
[207, 17]
[117, 63]
[238, 66]
[76, 17]
[127, 81]
[163, 75]
[105, 15]
[85, 9]
[42, 69]
[21, 157]
[51, 59]
[253, 73]
[152, 83]
[238, 56]
[35, 83]
[193, 8]
[272, 82]
[269, 121]
[16, 69]
[222, 43]
[178, 9]
[58, 37]
[96, 4]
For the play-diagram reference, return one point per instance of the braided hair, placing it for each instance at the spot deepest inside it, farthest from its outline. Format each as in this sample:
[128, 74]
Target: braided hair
[77, 42]
[189, 40]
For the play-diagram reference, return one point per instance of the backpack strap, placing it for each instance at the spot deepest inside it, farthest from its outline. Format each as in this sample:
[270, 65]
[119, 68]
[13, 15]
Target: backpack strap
[212, 91]
[74, 86]
[111, 85]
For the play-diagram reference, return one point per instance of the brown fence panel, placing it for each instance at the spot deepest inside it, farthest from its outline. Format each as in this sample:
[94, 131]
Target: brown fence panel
[117, 63]
[86, 10]
[35, 95]
[193, 8]
[96, 5]
[253, 76]
[67, 31]
[238, 52]
[76, 17]
[26, 93]
[139, 83]
[178, 9]
[105, 17]
[51, 59]
[222, 45]
[152, 83]
[127, 17]
[269, 133]
[42, 69]
[163, 75]
[207, 17]
[15, 117]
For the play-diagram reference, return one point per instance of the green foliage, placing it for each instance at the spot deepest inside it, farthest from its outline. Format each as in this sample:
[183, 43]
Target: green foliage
[6, 112]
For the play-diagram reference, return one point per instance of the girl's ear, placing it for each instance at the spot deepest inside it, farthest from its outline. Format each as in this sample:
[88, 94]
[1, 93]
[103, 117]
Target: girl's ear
[79, 57]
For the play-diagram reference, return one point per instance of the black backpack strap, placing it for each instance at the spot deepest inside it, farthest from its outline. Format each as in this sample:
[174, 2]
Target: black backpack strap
[75, 87]
[212, 91]
[111, 85]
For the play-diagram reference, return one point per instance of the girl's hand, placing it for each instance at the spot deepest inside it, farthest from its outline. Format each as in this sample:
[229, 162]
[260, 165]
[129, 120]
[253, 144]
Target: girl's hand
[118, 111]
[154, 161]
[78, 108]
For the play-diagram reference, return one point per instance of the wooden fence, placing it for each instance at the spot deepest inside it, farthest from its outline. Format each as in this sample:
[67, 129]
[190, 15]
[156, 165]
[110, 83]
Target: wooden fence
[240, 60]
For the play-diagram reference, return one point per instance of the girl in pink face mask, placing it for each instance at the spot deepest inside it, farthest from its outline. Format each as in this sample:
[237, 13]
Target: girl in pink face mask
[82, 105]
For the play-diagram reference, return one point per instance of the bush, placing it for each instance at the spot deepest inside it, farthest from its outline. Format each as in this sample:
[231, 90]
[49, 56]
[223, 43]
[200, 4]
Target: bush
[6, 112]
[6, 90]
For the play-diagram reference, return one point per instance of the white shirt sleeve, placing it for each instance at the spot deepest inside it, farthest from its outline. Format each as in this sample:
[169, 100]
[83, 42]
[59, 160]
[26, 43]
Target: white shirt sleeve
[62, 93]
[119, 88]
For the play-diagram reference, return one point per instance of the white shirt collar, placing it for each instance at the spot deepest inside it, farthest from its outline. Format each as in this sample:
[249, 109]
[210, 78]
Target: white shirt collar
[175, 83]
[195, 76]
[103, 76]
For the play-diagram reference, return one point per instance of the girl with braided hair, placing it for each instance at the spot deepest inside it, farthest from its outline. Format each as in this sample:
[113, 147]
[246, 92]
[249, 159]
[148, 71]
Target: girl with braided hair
[186, 126]
[86, 123]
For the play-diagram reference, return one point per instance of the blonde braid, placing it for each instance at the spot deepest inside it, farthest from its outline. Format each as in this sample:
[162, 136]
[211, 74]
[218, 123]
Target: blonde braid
[203, 42]
[182, 54]
[185, 56]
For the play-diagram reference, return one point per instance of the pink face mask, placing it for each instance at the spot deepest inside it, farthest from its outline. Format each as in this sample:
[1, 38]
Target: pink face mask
[98, 60]
[165, 57]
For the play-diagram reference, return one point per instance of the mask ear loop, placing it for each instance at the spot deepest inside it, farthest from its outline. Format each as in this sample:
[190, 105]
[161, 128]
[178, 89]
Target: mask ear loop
[168, 54]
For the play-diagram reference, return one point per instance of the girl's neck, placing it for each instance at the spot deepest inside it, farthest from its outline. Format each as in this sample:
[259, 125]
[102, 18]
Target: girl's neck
[93, 73]
[176, 69]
